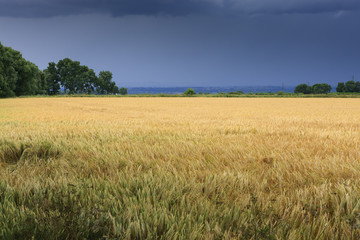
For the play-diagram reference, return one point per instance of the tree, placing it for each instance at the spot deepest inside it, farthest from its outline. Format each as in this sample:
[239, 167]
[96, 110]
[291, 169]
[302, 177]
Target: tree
[105, 85]
[303, 88]
[91, 80]
[190, 92]
[85, 80]
[8, 75]
[42, 84]
[21, 77]
[28, 80]
[321, 88]
[350, 86]
[357, 86]
[116, 90]
[52, 79]
[76, 78]
[66, 69]
[18, 76]
[123, 91]
[340, 87]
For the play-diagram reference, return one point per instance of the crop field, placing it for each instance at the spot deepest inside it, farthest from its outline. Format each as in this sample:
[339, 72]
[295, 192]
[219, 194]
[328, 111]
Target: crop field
[179, 168]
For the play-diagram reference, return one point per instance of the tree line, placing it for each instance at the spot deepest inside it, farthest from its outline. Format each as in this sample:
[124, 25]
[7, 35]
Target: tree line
[20, 77]
[74, 78]
[323, 88]
[349, 86]
[318, 88]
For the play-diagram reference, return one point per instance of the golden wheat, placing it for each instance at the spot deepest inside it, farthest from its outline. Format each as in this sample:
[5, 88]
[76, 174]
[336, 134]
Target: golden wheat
[180, 168]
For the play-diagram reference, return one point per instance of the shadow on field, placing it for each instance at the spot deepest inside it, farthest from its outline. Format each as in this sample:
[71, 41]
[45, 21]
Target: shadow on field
[12, 153]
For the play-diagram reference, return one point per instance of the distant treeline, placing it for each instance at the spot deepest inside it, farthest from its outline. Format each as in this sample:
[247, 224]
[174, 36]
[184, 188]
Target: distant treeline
[19, 77]
[349, 86]
[323, 88]
[318, 88]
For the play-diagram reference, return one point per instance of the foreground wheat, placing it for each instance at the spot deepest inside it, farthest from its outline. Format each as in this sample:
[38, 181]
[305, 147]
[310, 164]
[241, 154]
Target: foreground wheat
[179, 168]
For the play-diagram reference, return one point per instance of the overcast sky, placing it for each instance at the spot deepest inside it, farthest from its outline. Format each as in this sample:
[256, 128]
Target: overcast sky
[167, 43]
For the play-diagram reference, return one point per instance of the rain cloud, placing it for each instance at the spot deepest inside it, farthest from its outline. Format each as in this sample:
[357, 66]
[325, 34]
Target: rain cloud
[118, 8]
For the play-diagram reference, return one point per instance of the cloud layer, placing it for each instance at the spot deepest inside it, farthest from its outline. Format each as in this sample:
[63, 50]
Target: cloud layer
[52, 8]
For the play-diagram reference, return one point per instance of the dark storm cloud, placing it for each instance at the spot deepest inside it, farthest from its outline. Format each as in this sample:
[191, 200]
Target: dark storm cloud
[51, 8]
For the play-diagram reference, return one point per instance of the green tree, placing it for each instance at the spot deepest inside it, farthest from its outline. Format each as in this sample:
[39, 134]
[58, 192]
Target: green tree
[123, 91]
[340, 87]
[105, 85]
[90, 83]
[190, 92]
[18, 76]
[42, 84]
[66, 69]
[8, 75]
[303, 88]
[52, 79]
[357, 86]
[28, 80]
[104, 82]
[116, 90]
[321, 88]
[76, 78]
[85, 80]
[350, 86]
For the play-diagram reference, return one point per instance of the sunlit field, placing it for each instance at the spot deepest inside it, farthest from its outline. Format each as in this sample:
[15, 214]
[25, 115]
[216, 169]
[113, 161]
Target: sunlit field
[179, 168]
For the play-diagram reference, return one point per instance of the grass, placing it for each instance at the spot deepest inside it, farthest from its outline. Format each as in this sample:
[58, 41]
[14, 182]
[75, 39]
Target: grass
[179, 168]
[280, 94]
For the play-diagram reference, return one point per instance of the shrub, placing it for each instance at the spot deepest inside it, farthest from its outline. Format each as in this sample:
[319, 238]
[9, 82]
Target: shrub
[190, 92]
[321, 88]
[123, 91]
[303, 88]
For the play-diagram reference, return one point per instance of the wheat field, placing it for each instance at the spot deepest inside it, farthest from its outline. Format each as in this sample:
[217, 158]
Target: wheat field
[179, 168]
